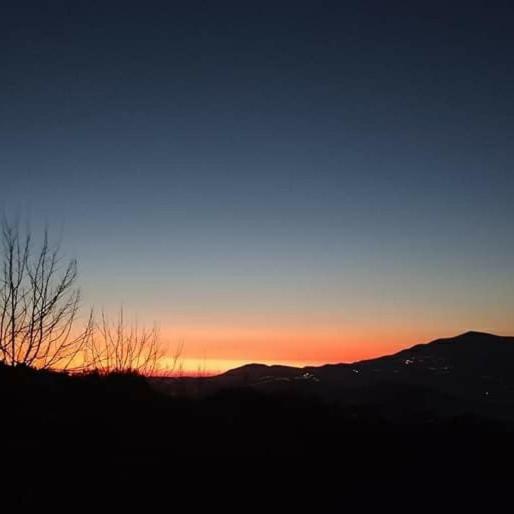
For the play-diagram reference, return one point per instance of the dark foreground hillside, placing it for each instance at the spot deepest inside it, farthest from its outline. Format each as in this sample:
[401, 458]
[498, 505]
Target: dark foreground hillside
[82, 413]
[78, 439]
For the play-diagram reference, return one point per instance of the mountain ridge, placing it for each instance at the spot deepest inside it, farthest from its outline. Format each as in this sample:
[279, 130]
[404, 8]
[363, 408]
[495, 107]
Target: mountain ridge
[472, 372]
[467, 337]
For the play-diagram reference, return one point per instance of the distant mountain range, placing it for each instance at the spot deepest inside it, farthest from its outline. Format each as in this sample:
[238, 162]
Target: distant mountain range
[472, 372]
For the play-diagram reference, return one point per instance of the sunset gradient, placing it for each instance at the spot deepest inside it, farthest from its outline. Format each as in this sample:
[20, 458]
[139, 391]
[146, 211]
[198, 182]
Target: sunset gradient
[277, 183]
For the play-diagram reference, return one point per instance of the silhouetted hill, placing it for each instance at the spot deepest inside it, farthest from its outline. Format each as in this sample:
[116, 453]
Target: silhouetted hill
[427, 396]
[472, 371]
[471, 350]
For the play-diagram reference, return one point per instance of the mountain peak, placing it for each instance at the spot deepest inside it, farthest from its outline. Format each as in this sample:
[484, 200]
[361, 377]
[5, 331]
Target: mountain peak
[475, 333]
[473, 336]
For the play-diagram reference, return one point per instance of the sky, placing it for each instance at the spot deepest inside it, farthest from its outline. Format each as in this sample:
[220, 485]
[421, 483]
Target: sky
[279, 182]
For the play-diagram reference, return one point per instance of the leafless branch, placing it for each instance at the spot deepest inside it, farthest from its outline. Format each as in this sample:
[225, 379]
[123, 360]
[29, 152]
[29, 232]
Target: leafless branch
[39, 303]
[119, 347]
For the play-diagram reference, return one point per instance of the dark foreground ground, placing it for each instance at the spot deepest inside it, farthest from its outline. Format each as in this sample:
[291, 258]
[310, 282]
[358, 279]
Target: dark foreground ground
[448, 396]
[81, 413]
[74, 439]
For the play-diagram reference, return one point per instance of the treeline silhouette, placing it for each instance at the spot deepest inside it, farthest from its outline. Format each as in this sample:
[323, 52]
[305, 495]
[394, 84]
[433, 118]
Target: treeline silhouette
[122, 410]
[40, 314]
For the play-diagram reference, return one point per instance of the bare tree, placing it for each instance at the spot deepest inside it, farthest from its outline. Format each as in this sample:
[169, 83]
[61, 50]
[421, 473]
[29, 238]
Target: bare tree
[39, 302]
[120, 347]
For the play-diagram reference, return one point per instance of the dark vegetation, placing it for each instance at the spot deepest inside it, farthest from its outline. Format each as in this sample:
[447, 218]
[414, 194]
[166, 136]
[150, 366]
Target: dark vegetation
[121, 436]
[126, 410]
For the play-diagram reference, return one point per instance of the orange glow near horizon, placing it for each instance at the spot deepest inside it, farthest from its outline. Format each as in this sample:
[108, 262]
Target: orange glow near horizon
[214, 344]
[210, 350]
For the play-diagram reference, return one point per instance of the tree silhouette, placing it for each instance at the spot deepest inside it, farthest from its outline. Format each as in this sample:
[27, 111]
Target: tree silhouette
[39, 302]
[121, 347]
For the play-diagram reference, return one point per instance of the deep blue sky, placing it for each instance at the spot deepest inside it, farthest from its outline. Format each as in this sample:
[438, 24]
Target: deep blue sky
[271, 165]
